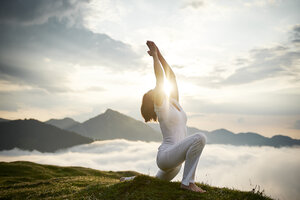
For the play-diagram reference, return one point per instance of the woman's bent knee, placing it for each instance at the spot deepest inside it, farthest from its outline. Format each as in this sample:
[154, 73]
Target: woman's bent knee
[200, 138]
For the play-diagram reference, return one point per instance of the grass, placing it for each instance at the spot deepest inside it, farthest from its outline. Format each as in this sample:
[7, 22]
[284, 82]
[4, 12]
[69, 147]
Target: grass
[27, 180]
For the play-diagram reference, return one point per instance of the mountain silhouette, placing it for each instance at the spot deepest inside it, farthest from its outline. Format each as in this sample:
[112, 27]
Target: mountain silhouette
[63, 123]
[223, 136]
[4, 120]
[115, 125]
[35, 135]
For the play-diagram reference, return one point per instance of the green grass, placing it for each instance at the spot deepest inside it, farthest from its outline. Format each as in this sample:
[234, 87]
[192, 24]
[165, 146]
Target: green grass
[27, 180]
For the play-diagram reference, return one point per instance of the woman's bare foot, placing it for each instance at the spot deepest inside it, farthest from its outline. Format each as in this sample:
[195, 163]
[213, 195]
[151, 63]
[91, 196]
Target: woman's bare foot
[122, 179]
[193, 187]
[130, 178]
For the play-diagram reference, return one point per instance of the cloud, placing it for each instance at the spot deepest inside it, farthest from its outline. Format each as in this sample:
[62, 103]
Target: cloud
[8, 103]
[45, 55]
[37, 98]
[30, 12]
[32, 73]
[240, 120]
[261, 3]
[296, 125]
[266, 63]
[273, 70]
[281, 60]
[249, 166]
[296, 34]
[267, 104]
[105, 155]
[245, 166]
[195, 4]
[56, 40]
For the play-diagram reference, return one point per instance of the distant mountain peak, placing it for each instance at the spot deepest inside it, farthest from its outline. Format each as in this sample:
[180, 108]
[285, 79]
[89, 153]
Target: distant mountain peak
[281, 137]
[68, 118]
[115, 125]
[65, 119]
[64, 123]
[222, 131]
[109, 111]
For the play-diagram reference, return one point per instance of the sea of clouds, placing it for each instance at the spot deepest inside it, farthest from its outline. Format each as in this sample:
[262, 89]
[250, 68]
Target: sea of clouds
[274, 170]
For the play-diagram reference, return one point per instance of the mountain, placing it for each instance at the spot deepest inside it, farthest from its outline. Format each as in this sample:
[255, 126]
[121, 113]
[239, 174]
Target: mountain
[112, 125]
[35, 135]
[281, 140]
[65, 123]
[4, 120]
[223, 136]
[115, 125]
[27, 180]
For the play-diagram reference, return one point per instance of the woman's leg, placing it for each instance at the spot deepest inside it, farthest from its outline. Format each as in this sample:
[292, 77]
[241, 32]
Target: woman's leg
[188, 150]
[168, 175]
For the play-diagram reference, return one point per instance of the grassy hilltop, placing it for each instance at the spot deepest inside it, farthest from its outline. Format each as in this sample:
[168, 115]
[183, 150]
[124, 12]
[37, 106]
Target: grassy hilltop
[27, 180]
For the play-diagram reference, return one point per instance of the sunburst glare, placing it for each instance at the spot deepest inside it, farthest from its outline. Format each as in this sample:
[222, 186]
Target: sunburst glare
[167, 88]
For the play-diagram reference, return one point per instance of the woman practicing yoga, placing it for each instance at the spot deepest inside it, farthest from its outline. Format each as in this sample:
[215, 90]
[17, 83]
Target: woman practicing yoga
[176, 147]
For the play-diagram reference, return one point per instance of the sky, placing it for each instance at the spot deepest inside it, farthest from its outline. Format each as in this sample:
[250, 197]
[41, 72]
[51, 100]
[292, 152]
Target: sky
[237, 62]
[245, 167]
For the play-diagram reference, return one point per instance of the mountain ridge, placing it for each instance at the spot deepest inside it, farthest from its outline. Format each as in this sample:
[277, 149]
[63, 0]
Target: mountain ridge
[31, 134]
[219, 136]
[64, 123]
[115, 125]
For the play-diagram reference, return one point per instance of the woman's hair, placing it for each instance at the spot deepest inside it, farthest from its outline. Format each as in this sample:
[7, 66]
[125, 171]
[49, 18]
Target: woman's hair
[147, 108]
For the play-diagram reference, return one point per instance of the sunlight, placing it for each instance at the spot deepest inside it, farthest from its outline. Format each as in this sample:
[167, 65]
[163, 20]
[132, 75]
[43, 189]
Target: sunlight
[167, 87]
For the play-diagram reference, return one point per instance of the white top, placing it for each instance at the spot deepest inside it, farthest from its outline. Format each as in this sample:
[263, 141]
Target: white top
[172, 122]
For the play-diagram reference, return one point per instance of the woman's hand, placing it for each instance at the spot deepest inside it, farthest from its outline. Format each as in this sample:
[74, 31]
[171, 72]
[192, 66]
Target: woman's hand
[152, 47]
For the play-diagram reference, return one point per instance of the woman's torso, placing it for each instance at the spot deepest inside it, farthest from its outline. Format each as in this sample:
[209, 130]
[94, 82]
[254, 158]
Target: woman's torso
[172, 120]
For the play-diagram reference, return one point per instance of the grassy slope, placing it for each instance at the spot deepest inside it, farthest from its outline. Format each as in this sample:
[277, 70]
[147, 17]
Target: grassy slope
[27, 180]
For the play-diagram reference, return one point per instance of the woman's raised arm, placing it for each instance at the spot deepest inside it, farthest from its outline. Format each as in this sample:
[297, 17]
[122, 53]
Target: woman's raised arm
[159, 74]
[170, 75]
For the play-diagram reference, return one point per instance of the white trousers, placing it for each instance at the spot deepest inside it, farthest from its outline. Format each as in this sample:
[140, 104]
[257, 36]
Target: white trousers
[189, 150]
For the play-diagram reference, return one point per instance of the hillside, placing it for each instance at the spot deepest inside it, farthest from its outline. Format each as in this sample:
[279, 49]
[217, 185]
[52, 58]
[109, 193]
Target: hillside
[35, 135]
[27, 180]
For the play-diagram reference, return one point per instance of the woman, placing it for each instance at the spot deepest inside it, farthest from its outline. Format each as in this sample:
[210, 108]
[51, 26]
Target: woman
[176, 147]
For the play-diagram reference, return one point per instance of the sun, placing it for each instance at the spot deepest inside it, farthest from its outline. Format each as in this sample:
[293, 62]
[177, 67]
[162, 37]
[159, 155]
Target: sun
[167, 88]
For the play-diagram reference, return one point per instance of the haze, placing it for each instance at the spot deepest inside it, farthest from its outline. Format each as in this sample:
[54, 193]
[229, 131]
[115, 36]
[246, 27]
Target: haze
[237, 62]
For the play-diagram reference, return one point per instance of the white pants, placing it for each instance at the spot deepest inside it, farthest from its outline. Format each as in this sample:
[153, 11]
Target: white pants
[189, 150]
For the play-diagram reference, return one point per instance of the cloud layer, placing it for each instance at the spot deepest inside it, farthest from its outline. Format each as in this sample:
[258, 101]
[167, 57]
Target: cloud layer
[45, 55]
[30, 12]
[274, 170]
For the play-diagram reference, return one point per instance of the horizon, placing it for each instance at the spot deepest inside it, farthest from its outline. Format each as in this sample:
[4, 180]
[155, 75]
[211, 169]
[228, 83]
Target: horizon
[237, 63]
[152, 122]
